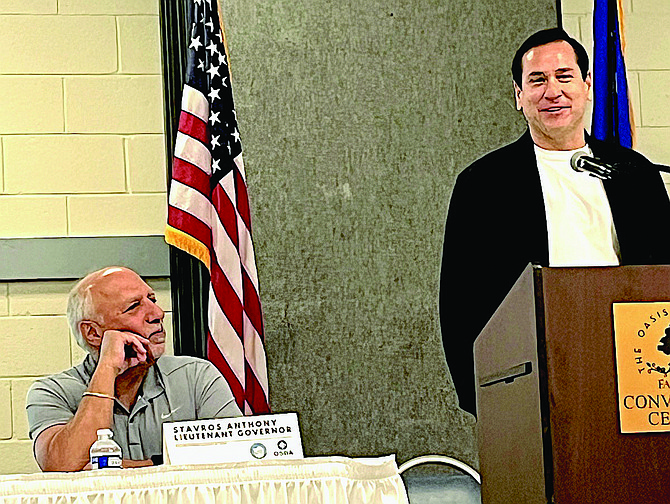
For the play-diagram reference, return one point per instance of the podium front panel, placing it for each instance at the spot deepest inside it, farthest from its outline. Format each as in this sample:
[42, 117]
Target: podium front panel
[569, 400]
[592, 460]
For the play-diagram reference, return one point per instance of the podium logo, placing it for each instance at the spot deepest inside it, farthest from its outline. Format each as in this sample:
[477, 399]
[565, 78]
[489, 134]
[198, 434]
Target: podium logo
[664, 348]
[642, 341]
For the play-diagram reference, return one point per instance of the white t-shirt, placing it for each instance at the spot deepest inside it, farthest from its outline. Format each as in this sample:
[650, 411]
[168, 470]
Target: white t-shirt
[579, 219]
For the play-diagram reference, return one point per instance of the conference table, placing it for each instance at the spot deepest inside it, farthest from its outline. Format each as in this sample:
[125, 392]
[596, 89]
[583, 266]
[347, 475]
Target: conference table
[299, 481]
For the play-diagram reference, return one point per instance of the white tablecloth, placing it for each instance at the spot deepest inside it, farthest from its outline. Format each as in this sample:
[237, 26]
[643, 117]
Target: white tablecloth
[311, 480]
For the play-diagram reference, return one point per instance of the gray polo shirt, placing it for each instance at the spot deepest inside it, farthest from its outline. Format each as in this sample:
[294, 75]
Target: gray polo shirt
[175, 389]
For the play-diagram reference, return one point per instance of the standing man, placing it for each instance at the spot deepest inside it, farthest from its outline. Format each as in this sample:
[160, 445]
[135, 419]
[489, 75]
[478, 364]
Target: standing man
[523, 203]
[124, 384]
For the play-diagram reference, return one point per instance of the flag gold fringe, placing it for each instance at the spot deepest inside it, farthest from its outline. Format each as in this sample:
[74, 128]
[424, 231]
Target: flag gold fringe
[188, 244]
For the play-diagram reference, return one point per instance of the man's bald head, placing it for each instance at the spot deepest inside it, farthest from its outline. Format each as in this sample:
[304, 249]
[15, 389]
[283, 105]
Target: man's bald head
[85, 295]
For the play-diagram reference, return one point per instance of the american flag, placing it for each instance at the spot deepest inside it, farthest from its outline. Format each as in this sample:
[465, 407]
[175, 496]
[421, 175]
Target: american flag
[208, 211]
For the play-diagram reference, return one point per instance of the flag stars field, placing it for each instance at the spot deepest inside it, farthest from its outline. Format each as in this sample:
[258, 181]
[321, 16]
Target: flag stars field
[213, 94]
[195, 43]
[213, 70]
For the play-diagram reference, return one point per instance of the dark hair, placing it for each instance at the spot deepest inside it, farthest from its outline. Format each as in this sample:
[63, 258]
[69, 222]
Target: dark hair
[546, 37]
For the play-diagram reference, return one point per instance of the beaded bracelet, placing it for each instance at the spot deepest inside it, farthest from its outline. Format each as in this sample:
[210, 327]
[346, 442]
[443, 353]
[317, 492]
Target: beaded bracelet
[98, 394]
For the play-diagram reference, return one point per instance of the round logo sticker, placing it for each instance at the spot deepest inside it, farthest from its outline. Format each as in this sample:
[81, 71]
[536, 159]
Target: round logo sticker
[258, 450]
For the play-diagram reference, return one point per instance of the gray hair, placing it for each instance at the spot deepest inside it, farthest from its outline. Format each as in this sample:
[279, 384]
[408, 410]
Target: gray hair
[79, 307]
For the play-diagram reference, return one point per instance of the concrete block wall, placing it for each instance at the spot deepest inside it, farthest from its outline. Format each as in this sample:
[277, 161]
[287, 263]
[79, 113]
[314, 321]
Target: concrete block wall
[646, 23]
[81, 154]
[81, 118]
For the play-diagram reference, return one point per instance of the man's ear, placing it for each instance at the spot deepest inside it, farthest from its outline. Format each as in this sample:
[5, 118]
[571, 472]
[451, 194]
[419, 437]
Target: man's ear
[517, 96]
[92, 332]
[588, 83]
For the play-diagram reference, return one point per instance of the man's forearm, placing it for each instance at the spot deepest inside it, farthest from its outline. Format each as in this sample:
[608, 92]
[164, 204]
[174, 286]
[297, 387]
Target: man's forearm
[66, 447]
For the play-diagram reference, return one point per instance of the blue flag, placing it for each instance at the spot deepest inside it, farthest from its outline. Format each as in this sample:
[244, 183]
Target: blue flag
[611, 112]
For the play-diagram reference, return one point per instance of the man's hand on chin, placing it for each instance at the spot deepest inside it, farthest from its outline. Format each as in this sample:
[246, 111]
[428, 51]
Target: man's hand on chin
[122, 350]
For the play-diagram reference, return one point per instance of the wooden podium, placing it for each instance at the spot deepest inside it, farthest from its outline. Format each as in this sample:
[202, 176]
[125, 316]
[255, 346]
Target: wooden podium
[547, 400]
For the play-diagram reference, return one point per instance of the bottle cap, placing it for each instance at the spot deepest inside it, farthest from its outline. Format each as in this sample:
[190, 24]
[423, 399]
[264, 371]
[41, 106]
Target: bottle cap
[105, 433]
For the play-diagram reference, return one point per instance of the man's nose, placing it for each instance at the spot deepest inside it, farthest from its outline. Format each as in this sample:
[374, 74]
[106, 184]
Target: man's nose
[155, 314]
[553, 89]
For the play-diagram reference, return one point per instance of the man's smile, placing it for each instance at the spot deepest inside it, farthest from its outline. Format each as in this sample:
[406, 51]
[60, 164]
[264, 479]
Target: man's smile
[555, 108]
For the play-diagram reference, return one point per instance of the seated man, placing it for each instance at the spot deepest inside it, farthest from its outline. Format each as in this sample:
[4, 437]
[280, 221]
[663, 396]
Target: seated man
[123, 384]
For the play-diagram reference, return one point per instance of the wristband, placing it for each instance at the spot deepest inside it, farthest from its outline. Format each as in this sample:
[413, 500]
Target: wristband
[98, 394]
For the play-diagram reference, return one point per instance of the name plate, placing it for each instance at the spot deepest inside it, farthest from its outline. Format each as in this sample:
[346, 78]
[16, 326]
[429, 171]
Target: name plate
[642, 341]
[236, 439]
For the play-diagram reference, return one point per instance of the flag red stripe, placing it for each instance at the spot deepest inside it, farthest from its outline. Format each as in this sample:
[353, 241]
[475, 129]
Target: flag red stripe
[242, 199]
[227, 299]
[179, 219]
[193, 126]
[255, 394]
[215, 356]
[252, 304]
[227, 214]
[190, 175]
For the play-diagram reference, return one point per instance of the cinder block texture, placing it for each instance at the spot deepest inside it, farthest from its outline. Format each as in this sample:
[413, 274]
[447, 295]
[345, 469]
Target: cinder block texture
[64, 164]
[655, 98]
[139, 41]
[571, 25]
[46, 44]
[576, 6]
[586, 30]
[147, 170]
[653, 7]
[634, 95]
[16, 457]
[4, 300]
[77, 353]
[122, 215]
[31, 105]
[169, 335]
[108, 6]
[33, 346]
[114, 104]
[161, 287]
[653, 143]
[647, 41]
[28, 6]
[20, 420]
[5, 409]
[38, 298]
[36, 216]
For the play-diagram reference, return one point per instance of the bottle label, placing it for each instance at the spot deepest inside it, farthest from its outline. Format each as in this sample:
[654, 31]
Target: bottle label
[105, 461]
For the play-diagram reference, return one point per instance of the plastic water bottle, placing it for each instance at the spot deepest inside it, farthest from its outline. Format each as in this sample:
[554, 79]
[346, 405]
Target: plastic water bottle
[105, 452]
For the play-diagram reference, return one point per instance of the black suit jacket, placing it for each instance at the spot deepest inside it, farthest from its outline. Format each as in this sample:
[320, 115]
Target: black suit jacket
[496, 225]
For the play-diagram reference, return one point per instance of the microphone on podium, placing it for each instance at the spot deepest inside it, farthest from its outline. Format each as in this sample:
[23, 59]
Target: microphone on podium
[595, 167]
[580, 162]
